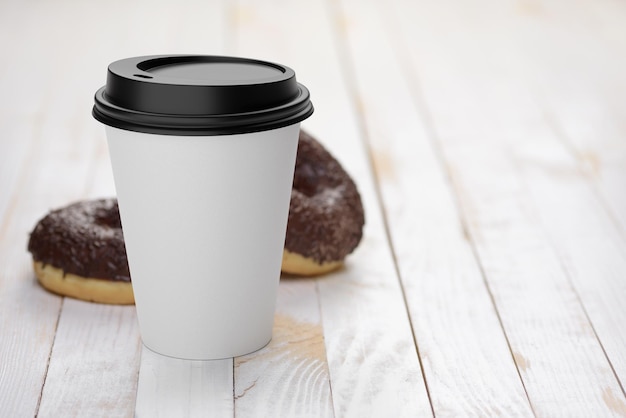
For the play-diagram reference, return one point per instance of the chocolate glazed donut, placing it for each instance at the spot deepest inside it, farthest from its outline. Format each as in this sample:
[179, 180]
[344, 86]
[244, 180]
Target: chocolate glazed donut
[79, 251]
[325, 215]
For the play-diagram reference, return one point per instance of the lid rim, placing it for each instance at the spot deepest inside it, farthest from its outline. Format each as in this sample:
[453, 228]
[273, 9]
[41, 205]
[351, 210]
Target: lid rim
[217, 124]
[201, 131]
[205, 105]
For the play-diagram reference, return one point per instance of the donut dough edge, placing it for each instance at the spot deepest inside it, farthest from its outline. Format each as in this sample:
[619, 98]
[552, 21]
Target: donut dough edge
[121, 293]
[297, 264]
[84, 288]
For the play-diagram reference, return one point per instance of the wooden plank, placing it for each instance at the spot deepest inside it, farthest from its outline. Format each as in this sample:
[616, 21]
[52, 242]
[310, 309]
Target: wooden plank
[479, 107]
[95, 360]
[13, 153]
[289, 377]
[100, 184]
[41, 140]
[29, 314]
[582, 93]
[592, 250]
[93, 367]
[612, 188]
[467, 362]
[578, 115]
[549, 331]
[184, 388]
[372, 360]
[36, 317]
[23, 113]
[579, 178]
[70, 137]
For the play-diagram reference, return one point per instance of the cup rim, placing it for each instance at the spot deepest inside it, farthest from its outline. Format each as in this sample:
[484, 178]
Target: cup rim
[138, 98]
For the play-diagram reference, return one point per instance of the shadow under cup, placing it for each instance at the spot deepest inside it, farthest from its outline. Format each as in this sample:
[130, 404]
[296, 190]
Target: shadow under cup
[203, 152]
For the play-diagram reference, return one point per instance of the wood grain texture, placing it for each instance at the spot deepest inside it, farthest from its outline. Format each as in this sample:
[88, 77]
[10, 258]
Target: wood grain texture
[477, 113]
[93, 368]
[49, 119]
[467, 362]
[574, 161]
[556, 349]
[29, 314]
[48, 149]
[289, 377]
[95, 361]
[171, 387]
[372, 360]
[577, 71]
[578, 183]
[589, 245]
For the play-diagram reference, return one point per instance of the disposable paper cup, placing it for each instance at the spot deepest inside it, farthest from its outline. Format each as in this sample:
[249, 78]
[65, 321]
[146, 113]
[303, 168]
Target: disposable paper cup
[203, 152]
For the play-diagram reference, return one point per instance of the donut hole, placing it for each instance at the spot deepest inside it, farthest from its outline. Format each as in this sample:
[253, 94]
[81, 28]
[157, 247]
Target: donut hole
[312, 181]
[305, 180]
[108, 217]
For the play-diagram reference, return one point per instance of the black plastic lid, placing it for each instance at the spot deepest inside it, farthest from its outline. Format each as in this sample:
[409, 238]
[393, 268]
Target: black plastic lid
[200, 95]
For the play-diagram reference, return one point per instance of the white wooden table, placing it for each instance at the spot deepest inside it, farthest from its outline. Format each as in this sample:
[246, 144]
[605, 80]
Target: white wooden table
[488, 141]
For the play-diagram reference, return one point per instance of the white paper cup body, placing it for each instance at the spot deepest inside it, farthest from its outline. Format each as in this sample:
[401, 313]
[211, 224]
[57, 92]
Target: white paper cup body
[204, 221]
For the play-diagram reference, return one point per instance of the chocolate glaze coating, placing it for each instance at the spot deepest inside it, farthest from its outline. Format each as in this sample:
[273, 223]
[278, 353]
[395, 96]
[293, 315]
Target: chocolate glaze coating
[326, 214]
[84, 238]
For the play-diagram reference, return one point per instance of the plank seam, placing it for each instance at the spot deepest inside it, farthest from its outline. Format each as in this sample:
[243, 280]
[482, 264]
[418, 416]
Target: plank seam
[45, 376]
[321, 323]
[412, 79]
[566, 271]
[348, 72]
[134, 409]
[234, 394]
[30, 157]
